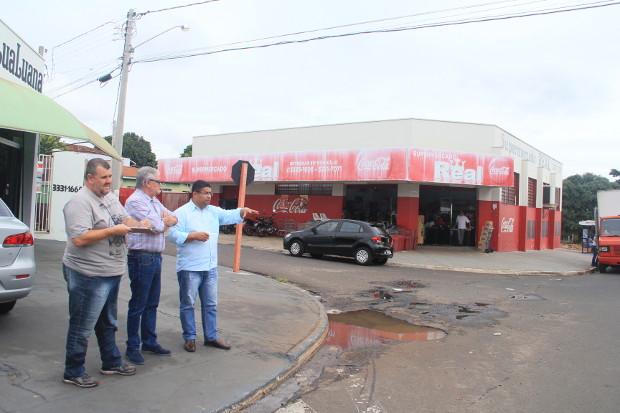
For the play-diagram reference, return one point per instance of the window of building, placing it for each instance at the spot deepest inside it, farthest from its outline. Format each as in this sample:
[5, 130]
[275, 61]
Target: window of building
[304, 188]
[510, 194]
[531, 193]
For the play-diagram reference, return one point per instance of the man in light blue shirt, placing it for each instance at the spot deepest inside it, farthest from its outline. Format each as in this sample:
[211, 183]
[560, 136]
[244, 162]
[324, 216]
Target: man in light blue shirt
[196, 236]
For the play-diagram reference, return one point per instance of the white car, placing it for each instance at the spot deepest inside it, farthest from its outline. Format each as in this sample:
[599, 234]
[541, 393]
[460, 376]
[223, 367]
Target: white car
[17, 264]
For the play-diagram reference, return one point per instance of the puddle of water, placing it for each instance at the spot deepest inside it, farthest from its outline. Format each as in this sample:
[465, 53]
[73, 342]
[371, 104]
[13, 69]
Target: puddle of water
[365, 328]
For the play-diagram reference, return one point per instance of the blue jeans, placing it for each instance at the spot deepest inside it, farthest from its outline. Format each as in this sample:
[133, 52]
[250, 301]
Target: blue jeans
[203, 283]
[145, 276]
[92, 305]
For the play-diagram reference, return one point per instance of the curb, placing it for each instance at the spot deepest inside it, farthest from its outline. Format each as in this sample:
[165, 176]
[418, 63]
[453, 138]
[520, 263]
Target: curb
[496, 271]
[297, 355]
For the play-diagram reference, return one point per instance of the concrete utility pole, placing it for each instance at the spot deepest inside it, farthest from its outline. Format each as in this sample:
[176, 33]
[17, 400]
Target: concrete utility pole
[119, 125]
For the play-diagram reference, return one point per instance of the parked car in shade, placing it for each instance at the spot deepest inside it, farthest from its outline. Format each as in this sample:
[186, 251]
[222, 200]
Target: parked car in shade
[367, 243]
[17, 264]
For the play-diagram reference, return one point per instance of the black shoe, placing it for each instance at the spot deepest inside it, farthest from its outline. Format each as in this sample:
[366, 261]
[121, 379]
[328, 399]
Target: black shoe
[156, 349]
[134, 356]
[82, 381]
[124, 370]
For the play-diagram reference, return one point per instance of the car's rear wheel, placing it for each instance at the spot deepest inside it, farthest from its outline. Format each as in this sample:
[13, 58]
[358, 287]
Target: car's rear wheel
[6, 307]
[362, 256]
[381, 261]
[316, 255]
[296, 248]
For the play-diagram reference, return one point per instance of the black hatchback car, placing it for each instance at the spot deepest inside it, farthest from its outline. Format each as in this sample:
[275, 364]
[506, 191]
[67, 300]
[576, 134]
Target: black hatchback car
[367, 243]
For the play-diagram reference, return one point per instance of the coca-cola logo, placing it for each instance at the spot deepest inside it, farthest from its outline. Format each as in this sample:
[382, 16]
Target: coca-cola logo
[378, 164]
[503, 170]
[172, 171]
[507, 225]
[499, 172]
[296, 206]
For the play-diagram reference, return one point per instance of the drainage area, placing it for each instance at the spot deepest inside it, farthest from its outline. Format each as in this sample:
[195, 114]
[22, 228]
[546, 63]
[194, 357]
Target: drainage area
[366, 328]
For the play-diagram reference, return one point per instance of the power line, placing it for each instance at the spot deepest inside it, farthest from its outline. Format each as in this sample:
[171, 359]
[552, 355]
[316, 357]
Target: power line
[176, 7]
[388, 30]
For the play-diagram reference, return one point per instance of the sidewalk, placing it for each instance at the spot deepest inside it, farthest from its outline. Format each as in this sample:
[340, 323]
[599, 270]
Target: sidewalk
[271, 326]
[560, 262]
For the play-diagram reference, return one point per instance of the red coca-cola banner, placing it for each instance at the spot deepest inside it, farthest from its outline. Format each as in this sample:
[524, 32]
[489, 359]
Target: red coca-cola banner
[391, 164]
[431, 165]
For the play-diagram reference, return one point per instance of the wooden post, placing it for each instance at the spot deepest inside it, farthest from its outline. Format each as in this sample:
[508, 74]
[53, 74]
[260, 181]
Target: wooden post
[240, 204]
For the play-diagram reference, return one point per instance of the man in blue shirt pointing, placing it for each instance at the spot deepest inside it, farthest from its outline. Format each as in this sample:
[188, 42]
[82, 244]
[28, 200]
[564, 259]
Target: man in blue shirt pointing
[196, 235]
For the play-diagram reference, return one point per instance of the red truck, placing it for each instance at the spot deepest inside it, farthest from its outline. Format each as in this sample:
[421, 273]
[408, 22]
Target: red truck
[608, 229]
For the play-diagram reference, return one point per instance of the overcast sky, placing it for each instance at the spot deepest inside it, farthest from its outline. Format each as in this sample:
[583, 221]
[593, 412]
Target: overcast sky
[552, 81]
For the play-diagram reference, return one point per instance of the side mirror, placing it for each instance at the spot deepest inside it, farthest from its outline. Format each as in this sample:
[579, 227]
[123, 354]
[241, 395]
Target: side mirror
[314, 230]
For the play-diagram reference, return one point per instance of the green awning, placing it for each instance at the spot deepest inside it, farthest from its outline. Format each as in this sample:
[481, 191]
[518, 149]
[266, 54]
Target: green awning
[24, 109]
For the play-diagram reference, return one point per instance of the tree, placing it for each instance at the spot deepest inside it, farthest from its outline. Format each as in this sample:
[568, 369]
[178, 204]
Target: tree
[187, 152]
[48, 143]
[137, 149]
[615, 173]
[579, 200]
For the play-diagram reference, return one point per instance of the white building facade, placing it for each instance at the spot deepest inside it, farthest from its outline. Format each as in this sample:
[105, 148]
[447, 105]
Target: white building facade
[406, 172]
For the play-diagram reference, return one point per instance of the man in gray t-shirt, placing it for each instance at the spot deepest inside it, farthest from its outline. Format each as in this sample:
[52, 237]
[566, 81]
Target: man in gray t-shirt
[93, 264]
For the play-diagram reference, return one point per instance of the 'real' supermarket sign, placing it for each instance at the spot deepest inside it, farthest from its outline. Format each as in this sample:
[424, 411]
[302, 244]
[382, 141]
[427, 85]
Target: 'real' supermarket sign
[390, 164]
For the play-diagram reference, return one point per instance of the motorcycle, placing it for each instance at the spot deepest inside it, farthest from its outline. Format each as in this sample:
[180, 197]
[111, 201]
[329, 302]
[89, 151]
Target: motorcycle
[228, 229]
[250, 227]
[267, 225]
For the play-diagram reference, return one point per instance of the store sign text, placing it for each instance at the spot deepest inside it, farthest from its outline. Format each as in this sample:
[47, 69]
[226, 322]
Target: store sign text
[65, 188]
[386, 164]
[446, 172]
[23, 70]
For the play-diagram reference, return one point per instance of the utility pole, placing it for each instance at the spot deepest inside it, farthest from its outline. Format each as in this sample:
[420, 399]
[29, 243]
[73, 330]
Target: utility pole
[119, 125]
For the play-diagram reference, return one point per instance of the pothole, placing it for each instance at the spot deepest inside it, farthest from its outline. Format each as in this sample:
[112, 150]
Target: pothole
[366, 328]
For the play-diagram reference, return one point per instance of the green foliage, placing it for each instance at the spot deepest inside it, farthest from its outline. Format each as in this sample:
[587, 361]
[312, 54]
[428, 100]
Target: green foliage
[615, 173]
[47, 144]
[579, 200]
[187, 152]
[137, 149]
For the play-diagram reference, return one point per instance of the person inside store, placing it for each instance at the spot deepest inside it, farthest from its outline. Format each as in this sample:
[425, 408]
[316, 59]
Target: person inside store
[462, 225]
[195, 235]
[93, 264]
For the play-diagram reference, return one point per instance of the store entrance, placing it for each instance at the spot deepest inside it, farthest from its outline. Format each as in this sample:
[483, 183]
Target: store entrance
[371, 203]
[11, 155]
[440, 207]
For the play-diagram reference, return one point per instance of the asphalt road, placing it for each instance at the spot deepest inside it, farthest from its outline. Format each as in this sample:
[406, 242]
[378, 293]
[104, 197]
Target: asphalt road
[513, 344]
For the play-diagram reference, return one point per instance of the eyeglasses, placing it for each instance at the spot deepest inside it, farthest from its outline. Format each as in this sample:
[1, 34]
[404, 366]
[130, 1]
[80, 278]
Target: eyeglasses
[205, 193]
[155, 180]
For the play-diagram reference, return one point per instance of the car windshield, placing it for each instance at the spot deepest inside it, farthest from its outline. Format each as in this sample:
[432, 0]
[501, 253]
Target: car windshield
[610, 227]
[4, 210]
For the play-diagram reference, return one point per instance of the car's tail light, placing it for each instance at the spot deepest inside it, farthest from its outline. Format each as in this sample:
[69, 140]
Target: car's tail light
[377, 240]
[22, 276]
[19, 240]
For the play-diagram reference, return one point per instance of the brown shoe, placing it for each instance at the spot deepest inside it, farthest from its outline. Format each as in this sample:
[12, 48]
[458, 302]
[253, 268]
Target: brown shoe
[218, 344]
[190, 345]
